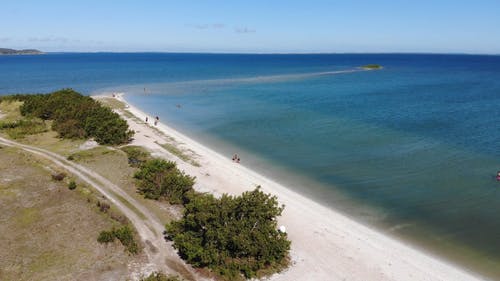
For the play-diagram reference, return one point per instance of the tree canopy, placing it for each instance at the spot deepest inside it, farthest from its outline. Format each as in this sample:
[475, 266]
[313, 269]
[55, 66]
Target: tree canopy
[233, 236]
[158, 179]
[77, 116]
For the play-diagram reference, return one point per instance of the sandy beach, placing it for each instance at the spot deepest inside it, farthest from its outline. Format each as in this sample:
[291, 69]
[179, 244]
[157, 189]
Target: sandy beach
[326, 245]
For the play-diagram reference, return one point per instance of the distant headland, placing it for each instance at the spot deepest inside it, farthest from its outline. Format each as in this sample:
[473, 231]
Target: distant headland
[5, 51]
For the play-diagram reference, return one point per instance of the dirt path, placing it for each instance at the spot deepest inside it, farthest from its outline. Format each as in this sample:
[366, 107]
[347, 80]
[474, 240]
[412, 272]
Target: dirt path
[160, 254]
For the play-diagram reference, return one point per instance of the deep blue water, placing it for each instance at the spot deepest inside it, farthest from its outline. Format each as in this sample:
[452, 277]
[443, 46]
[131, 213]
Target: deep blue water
[411, 148]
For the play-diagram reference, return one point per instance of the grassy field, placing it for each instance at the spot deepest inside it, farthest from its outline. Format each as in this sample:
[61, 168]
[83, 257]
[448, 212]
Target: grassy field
[113, 165]
[9, 110]
[48, 231]
[110, 162]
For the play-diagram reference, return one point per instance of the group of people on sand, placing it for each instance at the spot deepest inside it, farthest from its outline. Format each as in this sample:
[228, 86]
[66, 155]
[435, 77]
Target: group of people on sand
[157, 119]
[236, 158]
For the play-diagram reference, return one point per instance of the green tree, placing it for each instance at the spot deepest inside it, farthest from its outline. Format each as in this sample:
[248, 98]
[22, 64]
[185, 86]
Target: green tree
[77, 116]
[158, 179]
[231, 235]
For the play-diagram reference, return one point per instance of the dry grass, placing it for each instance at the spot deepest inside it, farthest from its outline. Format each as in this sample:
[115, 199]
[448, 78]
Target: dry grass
[114, 166]
[179, 153]
[50, 141]
[9, 110]
[111, 103]
[48, 231]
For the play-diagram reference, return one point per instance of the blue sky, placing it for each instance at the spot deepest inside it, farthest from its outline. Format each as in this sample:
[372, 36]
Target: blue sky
[440, 26]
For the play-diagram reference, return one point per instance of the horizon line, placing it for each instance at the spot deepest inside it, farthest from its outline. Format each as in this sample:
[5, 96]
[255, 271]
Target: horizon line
[274, 53]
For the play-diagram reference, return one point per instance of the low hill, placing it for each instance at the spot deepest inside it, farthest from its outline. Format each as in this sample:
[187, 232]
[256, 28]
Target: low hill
[5, 51]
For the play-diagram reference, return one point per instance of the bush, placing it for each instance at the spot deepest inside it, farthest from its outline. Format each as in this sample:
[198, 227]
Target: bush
[136, 155]
[106, 237]
[77, 116]
[158, 179]
[233, 236]
[124, 234]
[126, 237]
[72, 185]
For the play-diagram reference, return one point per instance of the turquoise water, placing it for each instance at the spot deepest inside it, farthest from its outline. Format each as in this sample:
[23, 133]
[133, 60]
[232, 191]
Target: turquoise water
[411, 149]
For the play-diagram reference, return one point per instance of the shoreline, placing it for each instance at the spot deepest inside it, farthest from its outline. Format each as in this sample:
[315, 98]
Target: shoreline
[326, 245]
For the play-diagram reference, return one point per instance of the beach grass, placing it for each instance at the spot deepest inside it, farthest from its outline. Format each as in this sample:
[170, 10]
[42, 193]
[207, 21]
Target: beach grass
[179, 153]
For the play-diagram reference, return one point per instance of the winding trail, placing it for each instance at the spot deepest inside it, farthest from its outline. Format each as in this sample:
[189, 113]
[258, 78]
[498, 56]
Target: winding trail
[159, 253]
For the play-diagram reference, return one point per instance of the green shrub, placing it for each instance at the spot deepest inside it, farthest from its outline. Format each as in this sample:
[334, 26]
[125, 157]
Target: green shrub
[136, 155]
[77, 116]
[126, 237]
[124, 234]
[158, 178]
[106, 237]
[72, 185]
[234, 236]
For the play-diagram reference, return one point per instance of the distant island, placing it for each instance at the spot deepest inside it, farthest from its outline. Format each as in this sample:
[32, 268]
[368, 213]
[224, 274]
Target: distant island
[5, 51]
[372, 66]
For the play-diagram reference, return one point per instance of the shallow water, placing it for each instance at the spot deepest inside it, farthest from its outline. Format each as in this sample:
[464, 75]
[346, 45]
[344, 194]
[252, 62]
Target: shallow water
[411, 148]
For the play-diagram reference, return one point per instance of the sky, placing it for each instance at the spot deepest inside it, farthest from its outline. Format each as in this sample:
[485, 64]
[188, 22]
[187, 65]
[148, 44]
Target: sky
[257, 26]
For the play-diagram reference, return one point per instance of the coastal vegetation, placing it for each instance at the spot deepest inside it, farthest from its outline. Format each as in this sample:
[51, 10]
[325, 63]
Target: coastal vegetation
[158, 178]
[136, 155]
[234, 236]
[372, 66]
[72, 115]
[21, 128]
[49, 232]
[124, 234]
[183, 155]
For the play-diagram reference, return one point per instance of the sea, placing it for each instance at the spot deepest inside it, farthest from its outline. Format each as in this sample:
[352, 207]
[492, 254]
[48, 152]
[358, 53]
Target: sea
[411, 149]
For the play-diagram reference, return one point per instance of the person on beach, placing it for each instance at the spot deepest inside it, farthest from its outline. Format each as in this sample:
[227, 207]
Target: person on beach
[146, 119]
[235, 156]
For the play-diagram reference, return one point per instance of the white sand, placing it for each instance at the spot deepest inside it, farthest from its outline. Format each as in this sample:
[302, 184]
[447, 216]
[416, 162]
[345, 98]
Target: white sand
[325, 244]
